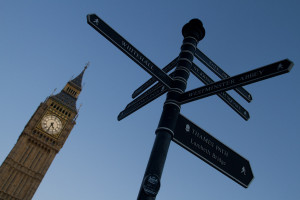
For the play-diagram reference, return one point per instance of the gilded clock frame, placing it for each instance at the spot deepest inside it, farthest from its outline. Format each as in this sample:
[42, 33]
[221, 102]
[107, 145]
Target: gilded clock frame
[63, 123]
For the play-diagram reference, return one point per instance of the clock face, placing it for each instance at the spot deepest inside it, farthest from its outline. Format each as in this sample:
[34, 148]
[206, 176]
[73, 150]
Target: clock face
[51, 124]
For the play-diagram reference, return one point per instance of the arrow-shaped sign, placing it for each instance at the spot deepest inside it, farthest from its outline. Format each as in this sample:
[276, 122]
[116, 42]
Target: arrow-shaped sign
[223, 95]
[220, 73]
[151, 81]
[252, 76]
[158, 90]
[129, 49]
[212, 151]
[153, 93]
[202, 76]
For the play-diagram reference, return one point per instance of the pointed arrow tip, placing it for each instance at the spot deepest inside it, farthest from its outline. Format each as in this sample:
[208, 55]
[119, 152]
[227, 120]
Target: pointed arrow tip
[120, 116]
[89, 15]
[250, 98]
[134, 94]
[291, 64]
[247, 115]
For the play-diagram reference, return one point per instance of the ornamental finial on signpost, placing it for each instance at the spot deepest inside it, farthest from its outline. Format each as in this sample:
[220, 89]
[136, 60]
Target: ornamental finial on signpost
[194, 28]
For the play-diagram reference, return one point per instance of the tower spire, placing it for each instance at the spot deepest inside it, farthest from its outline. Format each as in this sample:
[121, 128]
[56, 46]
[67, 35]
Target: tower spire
[68, 96]
[77, 82]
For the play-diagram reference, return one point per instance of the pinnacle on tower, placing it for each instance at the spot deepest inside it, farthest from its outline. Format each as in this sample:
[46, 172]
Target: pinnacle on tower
[78, 80]
[68, 96]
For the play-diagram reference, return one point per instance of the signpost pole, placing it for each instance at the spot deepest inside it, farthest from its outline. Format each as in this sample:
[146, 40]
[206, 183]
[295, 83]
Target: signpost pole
[174, 126]
[192, 32]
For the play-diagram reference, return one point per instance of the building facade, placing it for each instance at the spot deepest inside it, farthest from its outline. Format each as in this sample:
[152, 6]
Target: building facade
[42, 138]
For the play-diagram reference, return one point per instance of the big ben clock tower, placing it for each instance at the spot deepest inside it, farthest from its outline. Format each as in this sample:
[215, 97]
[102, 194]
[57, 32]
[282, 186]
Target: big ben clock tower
[42, 138]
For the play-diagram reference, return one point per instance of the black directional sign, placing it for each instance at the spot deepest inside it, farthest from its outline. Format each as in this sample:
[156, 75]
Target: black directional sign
[202, 76]
[128, 49]
[158, 89]
[186, 133]
[223, 95]
[252, 76]
[212, 151]
[148, 83]
[153, 93]
[219, 72]
[149, 94]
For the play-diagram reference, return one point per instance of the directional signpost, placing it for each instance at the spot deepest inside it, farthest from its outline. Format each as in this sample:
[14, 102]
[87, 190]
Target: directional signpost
[158, 90]
[212, 151]
[129, 50]
[219, 72]
[143, 87]
[172, 125]
[252, 76]
[153, 93]
[223, 95]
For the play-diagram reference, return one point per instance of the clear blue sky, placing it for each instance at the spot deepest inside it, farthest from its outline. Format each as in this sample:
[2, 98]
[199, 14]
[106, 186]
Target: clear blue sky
[44, 43]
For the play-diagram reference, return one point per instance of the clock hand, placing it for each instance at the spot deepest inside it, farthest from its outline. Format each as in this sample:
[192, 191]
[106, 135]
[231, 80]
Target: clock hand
[51, 125]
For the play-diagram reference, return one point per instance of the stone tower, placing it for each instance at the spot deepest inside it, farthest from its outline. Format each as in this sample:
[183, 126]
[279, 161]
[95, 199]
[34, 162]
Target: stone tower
[42, 138]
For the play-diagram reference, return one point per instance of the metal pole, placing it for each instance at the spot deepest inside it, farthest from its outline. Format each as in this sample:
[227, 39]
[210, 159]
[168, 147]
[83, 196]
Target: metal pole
[192, 32]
